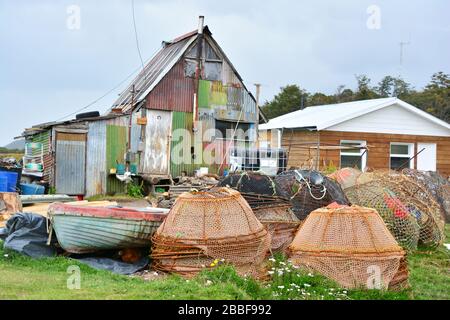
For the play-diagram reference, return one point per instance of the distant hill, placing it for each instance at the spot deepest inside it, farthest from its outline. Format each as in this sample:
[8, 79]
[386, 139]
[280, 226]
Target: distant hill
[16, 145]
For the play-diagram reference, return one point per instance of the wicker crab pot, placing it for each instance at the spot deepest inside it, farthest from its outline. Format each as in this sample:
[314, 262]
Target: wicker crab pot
[407, 208]
[205, 227]
[281, 223]
[350, 245]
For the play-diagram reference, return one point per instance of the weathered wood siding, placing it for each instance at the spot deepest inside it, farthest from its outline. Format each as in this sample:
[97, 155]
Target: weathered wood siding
[378, 143]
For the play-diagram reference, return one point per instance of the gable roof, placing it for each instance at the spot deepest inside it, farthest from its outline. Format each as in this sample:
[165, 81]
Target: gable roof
[161, 63]
[325, 116]
[153, 72]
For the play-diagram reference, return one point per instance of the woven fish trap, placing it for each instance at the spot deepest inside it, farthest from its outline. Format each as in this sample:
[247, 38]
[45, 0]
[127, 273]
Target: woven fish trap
[350, 245]
[281, 223]
[346, 177]
[407, 208]
[203, 227]
[436, 185]
[309, 190]
[250, 182]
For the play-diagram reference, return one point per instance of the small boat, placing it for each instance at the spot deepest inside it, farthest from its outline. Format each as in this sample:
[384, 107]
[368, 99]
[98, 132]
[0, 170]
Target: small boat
[83, 229]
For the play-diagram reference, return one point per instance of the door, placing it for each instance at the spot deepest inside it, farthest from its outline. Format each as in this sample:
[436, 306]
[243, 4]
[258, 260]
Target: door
[70, 169]
[157, 142]
[426, 160]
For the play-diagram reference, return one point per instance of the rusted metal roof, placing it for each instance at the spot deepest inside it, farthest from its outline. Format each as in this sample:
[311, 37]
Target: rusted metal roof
[170, 53]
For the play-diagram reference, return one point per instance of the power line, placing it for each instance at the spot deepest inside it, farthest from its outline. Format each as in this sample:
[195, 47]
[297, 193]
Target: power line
[136, 35]
[101, 97]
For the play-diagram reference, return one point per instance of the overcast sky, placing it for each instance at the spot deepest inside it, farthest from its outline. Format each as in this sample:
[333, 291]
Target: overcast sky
[50, 68]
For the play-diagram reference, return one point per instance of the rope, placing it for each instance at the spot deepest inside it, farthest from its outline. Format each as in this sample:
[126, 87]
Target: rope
[300, 178]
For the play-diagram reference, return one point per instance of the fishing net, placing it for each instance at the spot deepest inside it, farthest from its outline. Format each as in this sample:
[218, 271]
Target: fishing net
[350, 245]
[281, 223]
[250, 182]
[309, 190]
[406, 207]
[400, 280]
[437, 186]
[205, 227]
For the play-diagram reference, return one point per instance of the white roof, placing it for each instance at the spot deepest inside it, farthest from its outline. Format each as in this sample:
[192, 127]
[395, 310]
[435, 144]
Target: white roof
[325, 116]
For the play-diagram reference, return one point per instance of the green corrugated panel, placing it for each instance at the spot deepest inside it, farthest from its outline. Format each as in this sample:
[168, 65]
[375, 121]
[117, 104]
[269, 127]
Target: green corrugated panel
[181, 120]
[44, 138]
[204, 88]
[116, 147]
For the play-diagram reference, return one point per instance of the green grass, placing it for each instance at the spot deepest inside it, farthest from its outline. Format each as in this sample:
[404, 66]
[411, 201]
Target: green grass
[25, 278]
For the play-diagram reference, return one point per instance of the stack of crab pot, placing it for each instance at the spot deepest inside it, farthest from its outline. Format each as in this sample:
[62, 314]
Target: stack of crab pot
[205, 227]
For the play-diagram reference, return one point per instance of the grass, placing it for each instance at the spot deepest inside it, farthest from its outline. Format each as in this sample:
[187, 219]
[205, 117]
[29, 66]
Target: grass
[25, 278]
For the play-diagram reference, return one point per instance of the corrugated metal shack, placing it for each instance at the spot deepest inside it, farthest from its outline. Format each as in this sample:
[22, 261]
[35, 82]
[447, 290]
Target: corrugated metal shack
[189, 81]
[189, 84]
[78, 154]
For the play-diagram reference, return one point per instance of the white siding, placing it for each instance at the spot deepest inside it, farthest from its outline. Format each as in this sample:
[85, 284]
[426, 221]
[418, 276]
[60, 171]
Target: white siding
[393, 119]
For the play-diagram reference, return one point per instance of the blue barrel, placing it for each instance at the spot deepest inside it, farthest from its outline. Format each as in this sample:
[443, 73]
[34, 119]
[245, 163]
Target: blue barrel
[31, 189]
[11, 180]
[3, 184]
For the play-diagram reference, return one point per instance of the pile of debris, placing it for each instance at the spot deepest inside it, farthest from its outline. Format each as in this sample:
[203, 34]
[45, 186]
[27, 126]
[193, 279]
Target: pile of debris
[186, 184]
[344, 243]
[204, 228]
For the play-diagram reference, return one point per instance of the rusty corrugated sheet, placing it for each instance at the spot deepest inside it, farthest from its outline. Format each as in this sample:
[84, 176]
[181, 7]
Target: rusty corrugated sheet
[157, 142]
[175, 91]
[153, 72]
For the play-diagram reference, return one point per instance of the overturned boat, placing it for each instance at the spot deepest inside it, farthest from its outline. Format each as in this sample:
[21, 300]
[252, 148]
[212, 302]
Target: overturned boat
[81, 229]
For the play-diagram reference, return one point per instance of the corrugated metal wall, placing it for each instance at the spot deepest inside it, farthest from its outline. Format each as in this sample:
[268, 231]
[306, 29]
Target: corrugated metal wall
[116, 142]
[96, 172]
[70, 160]
[227, 101]
[44, 138]
[181, 120]
[175, 92]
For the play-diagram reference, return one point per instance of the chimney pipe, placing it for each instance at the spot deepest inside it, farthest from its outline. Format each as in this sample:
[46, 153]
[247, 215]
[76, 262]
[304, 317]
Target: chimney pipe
[201, 21]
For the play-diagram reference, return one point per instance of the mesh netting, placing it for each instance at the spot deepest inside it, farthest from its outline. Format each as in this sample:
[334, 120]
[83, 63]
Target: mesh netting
[438, 187]
[406, 207]
[281, 223]
[347, 244]
[251, 182]
[349, 177]
[309, 190]
[204, 226]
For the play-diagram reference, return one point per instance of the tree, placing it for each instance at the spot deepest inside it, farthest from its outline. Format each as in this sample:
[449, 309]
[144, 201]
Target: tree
[291, 98]
[392, 87]
[364, 91]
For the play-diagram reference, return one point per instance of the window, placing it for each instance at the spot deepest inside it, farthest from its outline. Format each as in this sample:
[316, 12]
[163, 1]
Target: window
[400, 155]
[353, 157]
[243, 132]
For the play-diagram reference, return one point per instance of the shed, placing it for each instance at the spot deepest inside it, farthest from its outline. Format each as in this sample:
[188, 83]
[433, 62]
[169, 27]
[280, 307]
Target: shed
[383, 133]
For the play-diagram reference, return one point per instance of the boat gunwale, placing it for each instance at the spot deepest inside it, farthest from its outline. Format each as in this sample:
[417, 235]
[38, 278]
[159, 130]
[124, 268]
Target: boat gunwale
[60, 209]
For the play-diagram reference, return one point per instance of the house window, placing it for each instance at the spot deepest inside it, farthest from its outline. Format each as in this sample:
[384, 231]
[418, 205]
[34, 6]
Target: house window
[354, 154]
[400, 155]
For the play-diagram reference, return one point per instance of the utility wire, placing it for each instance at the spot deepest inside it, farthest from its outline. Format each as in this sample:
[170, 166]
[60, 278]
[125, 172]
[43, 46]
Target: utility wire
[101, 97]
[136, 35]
